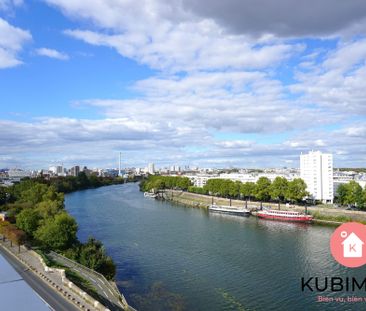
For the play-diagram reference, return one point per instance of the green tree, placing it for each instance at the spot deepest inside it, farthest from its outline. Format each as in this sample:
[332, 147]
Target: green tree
[94, 181]
[48, 209]
[108, 268]
[34, 194]
[234, 189]
[279, 188]
[158, 184]
[3, 196]
[82, 181]
[341, 194]
[93, 256]
[58, 233]
[262, 189]
[183, 183]
[247, 190]
[297, 190]
[19, 188]
[213, 186]
[28, 221]
[52, 195]
[354, 194]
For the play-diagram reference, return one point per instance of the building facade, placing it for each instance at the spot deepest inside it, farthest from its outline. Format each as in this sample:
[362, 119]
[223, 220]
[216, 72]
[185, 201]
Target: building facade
[316, 169]
[75, 170]
[151, 168]
[200, 180]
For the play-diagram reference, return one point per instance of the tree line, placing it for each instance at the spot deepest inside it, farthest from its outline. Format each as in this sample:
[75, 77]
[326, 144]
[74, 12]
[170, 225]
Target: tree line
[37, 216]
[280, 190]
[351, 194]
[65, 184]
[82, 181]
[157, 182]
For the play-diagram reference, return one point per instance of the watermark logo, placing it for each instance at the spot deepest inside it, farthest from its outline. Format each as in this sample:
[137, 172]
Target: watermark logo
[347, 244]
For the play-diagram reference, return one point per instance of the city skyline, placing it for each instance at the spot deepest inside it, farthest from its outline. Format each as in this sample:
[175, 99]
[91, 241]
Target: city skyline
[183, 83]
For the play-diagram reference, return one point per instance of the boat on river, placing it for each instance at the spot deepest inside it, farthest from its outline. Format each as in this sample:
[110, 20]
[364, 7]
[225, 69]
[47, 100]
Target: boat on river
[284, 216]
[232, 210]
[151, 195]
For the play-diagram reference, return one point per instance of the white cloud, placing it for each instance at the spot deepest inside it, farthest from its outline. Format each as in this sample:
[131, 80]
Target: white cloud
[52, 53]
[244, 102]
[97, 142]
[6, 5]
[337, 83]
[12, 40]
[165, 36]
[188, 49]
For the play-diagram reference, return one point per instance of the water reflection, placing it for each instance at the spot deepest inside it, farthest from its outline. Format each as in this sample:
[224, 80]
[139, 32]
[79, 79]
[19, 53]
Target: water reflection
[227, 217]
[279, 226]
[159, 298]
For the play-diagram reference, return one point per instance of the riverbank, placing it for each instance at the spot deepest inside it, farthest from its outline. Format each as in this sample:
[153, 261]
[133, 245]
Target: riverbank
[322, 215]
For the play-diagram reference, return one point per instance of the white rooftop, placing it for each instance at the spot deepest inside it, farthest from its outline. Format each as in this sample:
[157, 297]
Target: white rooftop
[15, 293]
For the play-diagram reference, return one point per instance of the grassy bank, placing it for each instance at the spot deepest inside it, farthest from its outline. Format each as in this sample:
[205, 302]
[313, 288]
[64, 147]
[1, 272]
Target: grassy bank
[322, 215]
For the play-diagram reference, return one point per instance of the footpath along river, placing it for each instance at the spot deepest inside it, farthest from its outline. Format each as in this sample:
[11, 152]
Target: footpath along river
[171, 257]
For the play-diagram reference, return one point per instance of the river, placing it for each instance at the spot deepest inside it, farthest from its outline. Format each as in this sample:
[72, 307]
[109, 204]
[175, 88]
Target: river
[171, 257]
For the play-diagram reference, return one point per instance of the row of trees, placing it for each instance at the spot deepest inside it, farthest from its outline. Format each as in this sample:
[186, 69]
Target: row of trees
[82, 181]
[38, 210]
[279, 190]
[60, 185]
[157, 182]
[351, 194]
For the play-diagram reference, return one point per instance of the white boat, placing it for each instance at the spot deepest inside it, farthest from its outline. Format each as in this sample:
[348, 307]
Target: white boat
[150, 195]
[226, 209]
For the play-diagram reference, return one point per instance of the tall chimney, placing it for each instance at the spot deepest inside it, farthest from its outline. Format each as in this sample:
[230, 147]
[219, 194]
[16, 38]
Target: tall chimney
[119, 164]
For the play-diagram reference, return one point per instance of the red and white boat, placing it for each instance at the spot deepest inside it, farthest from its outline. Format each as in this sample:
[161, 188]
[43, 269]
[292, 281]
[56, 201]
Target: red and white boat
[284, 216]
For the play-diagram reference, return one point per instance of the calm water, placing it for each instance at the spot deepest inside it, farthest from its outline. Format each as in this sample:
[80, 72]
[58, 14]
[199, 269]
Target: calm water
[175, 258]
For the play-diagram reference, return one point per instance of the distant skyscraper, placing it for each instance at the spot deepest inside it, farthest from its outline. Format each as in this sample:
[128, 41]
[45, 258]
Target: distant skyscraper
[60, 169]
[75, 170]
[57, 170]
[151, 168]
[316, 169]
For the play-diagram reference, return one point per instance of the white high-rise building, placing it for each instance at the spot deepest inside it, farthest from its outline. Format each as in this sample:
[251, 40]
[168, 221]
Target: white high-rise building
[57, 170]
[316, 169]
[120, 164]
[151, 168]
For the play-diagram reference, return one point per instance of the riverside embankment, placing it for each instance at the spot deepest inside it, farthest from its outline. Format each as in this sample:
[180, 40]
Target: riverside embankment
[322, 215]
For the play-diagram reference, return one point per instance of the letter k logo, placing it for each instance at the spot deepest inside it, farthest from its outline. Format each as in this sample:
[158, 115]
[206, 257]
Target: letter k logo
[347, 244]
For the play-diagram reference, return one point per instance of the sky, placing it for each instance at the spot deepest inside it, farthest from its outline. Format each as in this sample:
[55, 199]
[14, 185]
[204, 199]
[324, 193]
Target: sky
[207, 83]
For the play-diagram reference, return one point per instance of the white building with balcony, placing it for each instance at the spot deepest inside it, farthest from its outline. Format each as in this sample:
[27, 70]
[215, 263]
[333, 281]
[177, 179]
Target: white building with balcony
[316, 169]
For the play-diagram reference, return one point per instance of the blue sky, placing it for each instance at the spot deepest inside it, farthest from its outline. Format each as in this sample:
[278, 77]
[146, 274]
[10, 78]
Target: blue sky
[48, 86]
[181, 82]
